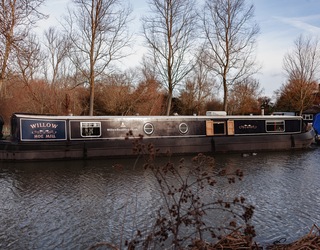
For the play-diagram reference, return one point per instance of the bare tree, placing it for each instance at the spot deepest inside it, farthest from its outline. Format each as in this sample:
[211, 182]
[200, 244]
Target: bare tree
[230, 40]
[29, 58]
[302, 65]
[17, 17]
[296, 96]
[170, 32]
[199, 89]
[98, 32]
[57, 47]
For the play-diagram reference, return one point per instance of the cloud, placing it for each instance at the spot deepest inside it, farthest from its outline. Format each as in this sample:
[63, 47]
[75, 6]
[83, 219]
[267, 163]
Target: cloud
[301, 23]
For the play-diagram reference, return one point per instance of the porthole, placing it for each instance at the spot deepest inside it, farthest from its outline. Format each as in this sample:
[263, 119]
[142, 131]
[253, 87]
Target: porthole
[183, 128]
[148, 128]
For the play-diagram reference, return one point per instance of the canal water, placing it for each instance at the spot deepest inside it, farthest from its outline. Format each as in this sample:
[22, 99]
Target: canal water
[76, 204]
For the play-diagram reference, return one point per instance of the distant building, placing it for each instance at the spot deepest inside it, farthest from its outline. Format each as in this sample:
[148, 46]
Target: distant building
[309, 114]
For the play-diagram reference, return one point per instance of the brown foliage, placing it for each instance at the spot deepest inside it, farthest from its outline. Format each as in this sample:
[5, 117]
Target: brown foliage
[36, 97]
[302, 66]
[244, 97]
[117, 96]
[112, 98]
[148, 99]
[296, 95]
[214, 104]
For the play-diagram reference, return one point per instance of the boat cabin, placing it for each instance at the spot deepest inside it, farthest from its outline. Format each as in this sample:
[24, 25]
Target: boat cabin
[36, 137]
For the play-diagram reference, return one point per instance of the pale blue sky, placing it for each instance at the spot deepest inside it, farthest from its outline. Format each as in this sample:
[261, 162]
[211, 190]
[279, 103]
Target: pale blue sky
[280, 21]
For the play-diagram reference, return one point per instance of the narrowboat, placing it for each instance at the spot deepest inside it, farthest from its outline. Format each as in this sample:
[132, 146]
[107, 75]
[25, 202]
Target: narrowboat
[47, 137]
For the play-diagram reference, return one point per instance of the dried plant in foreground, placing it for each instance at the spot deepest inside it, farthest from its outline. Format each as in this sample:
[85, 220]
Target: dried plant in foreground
[187, 216]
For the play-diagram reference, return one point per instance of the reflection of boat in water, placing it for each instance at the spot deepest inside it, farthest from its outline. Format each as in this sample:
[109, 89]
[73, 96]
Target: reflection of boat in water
[41, 137]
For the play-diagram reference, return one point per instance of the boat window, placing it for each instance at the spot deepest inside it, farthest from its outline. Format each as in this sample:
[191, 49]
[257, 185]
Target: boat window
[219, 128]
[275, 126]
[183, 128]
[148, 128]
[307, 116]
[90, 129]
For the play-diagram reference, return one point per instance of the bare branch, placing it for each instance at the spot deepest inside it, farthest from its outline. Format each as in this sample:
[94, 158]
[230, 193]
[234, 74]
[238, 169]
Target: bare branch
[98, 32]
[17, 18]
[169, 34]
[302, 65]
[230, 41]
[58, 47]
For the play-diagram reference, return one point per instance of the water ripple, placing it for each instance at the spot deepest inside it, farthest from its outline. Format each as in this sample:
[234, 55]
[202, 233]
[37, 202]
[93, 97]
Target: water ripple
[73, 205]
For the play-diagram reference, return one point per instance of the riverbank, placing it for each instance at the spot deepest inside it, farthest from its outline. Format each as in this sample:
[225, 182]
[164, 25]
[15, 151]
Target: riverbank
[236, 240]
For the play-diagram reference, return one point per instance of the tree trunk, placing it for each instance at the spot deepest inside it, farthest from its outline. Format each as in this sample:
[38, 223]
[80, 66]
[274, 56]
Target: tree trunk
[91, 94]
[225, 95]
[169, 102]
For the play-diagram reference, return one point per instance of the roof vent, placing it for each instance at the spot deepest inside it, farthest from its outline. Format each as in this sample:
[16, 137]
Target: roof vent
[213, 113]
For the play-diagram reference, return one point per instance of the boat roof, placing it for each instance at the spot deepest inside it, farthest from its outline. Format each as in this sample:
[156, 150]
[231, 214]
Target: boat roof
[175, 117]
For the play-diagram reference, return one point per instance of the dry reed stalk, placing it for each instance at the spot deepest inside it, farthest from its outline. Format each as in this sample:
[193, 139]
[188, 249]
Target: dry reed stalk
[233, 241]
[309, 241]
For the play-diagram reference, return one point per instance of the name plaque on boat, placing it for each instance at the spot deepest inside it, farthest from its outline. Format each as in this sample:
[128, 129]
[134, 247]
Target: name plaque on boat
[42, 130]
